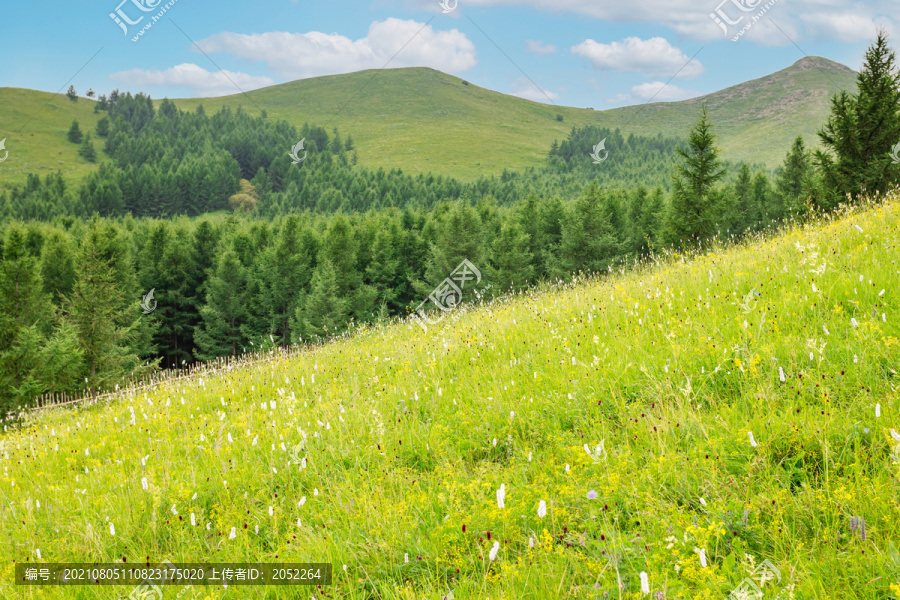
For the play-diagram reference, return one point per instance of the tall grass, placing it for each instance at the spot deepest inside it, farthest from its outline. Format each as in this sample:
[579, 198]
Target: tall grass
[625, 404]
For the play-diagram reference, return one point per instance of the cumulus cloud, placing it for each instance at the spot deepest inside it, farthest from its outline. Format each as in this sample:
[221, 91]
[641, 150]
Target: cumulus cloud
[656, 91]
[529, 91]
[198, 80]
[846, 27]
[538, 47]
[691, 18]
[654, 57]
[300, 55]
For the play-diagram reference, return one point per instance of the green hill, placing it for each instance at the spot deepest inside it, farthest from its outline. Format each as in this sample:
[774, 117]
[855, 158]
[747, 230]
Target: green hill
[690, 421]
[422, 120]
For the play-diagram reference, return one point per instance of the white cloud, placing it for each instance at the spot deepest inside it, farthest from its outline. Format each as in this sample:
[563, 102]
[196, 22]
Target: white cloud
[300, 55]
[198, 80]
[523, 88]
[653, 57]
[539, 47]
[691, 18]
[656, 91]
[846, 27]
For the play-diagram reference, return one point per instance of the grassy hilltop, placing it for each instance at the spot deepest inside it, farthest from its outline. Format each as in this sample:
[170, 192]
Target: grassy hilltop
[425, 121]
[624, 405]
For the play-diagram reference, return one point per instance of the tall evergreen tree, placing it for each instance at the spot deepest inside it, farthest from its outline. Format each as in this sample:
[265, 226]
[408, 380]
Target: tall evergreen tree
[219, 333]
[789, 184]
[511, 259]
[695, 199]
[589, 240]
[863, 127]
[324, 313]
[98, 309]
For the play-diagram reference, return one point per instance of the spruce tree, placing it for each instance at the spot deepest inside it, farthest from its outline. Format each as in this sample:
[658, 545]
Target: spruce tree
[789, 184]
[863, 127]
[87, 150]
[695, 199]
[58, 266]
[511, 259]
[74, 134]
[589, 240]
[98, 309]
[324, 313]
[224, 310]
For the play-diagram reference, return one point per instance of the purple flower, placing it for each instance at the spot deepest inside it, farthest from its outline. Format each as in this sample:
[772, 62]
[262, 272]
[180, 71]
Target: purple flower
[592, 495]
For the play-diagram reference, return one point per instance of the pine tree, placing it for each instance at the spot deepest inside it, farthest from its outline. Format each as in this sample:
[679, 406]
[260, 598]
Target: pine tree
[695, 199]
[219, 333]
[97, 308]
[511, 260]
[58, 266]
[789, 184]
[863, 127]
[455, 236]
[742, 211]
[72, 94]
[74, 134]
[324, 312]
[589, 240]
[87, 151]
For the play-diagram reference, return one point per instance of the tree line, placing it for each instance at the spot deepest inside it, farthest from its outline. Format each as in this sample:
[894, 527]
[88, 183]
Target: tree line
[71, 288]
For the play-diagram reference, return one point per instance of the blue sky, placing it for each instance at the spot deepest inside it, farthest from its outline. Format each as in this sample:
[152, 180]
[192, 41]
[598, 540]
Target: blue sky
[596, 53]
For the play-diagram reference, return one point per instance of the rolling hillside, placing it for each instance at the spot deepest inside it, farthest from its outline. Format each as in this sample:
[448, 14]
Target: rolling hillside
[680, 424]
[422, 120]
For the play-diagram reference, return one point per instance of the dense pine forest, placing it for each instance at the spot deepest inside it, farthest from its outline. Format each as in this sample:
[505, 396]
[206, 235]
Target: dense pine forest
[245, 249]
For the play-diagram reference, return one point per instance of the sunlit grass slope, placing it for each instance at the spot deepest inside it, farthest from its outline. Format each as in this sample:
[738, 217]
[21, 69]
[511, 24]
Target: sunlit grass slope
[34, 125]
[407, 437]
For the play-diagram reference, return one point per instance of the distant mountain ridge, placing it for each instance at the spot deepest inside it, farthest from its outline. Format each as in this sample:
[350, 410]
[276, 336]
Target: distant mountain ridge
[422, 120]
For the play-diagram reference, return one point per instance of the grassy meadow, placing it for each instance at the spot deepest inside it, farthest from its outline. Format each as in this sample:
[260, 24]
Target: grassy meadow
[688, 419]
[424, 121]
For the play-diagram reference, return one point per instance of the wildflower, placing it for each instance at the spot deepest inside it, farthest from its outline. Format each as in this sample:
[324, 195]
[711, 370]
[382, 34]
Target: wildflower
[193, 520]
[752, 441]
[233, 533]
[174, 512]
[781, 374]
[494, 550]
[501, 495]
[529, 457]
[144, 483]
[702, 553]
[302, 501]
[895, 435]
[405, 557]
[271, 511]
[112, 529]
[853, 322]
[592, 495]
[38, 551]
[702, 501]
[858, 228]
[645, 582]
[877, 410]
[542, 509]
[567, 468]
